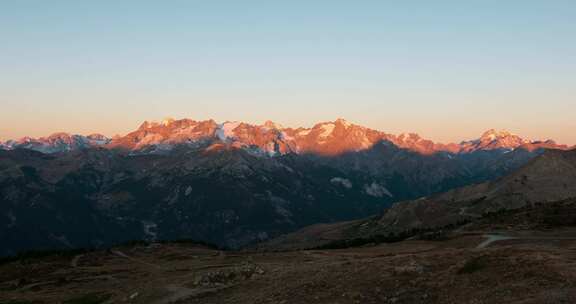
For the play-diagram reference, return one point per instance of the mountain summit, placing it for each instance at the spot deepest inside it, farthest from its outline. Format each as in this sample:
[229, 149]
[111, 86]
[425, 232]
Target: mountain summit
[57, 142]
[504, 140]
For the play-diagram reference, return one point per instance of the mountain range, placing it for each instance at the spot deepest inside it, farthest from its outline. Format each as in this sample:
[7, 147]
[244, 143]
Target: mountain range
[327, 138]
[231, 184]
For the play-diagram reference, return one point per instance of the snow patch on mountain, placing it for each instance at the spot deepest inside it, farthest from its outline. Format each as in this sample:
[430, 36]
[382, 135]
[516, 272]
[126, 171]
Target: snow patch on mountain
[167, 121]
[346, 183]
[284, 136]
[377, 190]
[327, 130]
[225, 131]
[188, 191]
[304, 132]
[149, 139]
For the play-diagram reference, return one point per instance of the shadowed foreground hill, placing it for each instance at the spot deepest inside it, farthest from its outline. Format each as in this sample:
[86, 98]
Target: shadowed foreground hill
[520, 271]
[550, 177]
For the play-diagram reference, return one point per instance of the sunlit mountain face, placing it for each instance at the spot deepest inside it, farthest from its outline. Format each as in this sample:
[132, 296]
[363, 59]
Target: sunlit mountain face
[326, 139]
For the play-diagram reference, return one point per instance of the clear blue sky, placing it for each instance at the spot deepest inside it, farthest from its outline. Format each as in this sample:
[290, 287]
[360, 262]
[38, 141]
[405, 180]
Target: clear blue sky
[445, 69]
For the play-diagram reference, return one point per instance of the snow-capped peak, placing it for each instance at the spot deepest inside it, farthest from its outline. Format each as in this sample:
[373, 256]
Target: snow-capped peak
[167, 121]
[492, 135]
[147, 125]
[57, 142]
[270, 125]
[343, 122]
[495, 140]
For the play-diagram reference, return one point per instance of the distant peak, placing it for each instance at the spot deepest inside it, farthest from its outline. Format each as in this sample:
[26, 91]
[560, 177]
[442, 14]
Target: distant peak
[152, 124]
[272, 125]
[342, 121]
[409, 136]
[493, 134]
[147, 125]
[59, 135]
[167, 121]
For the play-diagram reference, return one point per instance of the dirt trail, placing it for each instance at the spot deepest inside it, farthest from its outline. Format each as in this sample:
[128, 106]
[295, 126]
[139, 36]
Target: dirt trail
[492, 238]
[176, 292]
[75, 260]
[123, 255]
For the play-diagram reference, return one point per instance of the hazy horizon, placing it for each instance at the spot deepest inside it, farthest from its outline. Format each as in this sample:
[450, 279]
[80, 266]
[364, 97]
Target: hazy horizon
[445, 70]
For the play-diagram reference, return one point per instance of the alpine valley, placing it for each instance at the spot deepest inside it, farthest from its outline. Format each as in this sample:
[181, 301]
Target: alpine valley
[236, 184]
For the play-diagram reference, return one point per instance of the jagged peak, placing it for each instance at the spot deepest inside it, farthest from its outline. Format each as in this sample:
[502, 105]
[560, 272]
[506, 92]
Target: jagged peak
[152, 124]
[331, 125]
[272, 125]
[60, 135]
[411, 136]
[494, 134]
[234, 123]
[167, 121]
[51, 137]
[147, 125]
[343, 122]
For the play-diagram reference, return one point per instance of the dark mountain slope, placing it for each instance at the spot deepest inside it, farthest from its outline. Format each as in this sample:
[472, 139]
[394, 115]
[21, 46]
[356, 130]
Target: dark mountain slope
[213, 191]
[550, 177]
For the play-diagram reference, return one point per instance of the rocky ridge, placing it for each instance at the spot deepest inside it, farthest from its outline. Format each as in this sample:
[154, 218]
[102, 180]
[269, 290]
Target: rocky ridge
[326, 138]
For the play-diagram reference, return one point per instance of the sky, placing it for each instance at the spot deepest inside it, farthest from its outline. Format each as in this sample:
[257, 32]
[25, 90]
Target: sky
[447, 70]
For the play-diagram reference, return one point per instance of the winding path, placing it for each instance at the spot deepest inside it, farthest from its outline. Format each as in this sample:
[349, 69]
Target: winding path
[492, 238]
[123, 255]
[75, 260]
